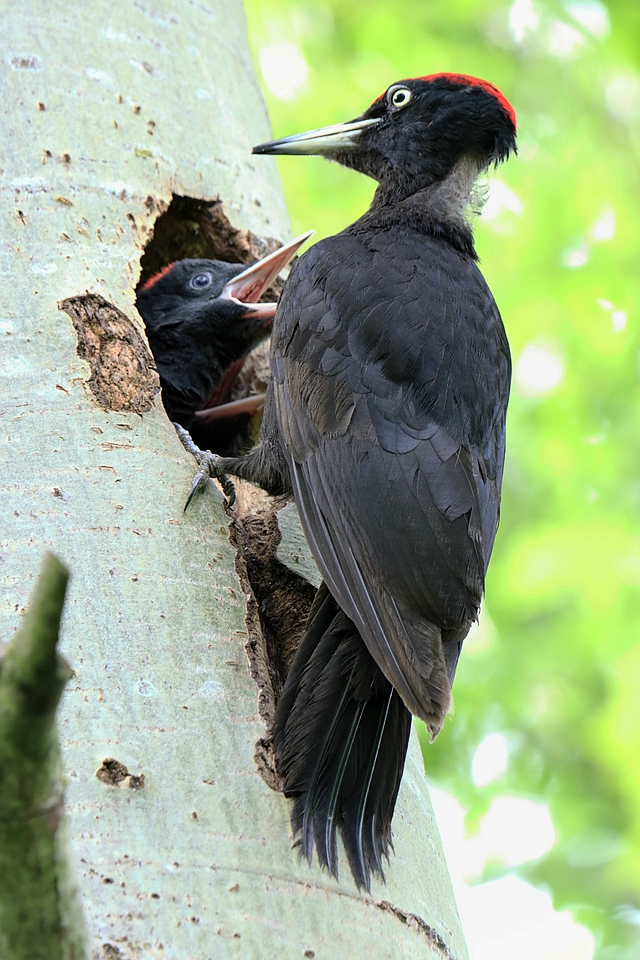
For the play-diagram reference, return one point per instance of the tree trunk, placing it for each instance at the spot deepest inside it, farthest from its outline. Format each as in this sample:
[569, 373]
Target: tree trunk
[116, 114]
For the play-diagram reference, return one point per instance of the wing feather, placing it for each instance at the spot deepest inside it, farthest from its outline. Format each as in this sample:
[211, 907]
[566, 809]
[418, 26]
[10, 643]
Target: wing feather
[394, 432]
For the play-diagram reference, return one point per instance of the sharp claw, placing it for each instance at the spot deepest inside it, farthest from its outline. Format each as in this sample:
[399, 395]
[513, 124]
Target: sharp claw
[208, 468]
[199, 482]
[228, 488]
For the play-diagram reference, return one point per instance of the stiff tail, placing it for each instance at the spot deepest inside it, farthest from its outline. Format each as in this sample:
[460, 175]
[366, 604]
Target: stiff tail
[340, 734]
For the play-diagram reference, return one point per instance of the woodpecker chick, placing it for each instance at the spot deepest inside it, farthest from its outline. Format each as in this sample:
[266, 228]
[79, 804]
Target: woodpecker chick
[202, 321]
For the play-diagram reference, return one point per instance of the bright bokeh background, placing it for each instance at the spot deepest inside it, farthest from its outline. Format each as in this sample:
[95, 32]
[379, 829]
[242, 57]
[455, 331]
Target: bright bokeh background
[537, 778]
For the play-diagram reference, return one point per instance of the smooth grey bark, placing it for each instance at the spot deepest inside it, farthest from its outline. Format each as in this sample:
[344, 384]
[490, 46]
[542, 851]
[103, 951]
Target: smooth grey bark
[109, 109]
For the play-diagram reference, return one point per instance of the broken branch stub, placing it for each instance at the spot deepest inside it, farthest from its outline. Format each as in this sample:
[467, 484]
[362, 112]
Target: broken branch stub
[32, 678]
[37, 899]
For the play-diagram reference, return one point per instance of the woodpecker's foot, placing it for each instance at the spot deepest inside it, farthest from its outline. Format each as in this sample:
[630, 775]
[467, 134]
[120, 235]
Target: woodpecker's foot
[208, 468]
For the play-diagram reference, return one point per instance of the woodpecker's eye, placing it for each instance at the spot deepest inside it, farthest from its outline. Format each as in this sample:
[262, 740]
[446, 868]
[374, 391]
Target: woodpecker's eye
[399, 97]
[201, 281]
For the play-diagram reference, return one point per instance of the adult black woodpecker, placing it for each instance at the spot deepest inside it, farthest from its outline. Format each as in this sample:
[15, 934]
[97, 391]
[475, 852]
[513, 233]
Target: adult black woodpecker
[385, 418]
[202, 320]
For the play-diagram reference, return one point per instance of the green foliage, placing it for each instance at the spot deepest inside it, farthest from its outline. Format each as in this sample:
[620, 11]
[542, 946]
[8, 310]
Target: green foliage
[559, 669]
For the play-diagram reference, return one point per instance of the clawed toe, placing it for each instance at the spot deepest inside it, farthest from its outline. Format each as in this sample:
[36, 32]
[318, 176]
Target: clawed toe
[209, 467]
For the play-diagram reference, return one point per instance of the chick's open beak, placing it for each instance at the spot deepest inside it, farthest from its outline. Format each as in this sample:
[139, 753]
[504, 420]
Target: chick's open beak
[249, 285]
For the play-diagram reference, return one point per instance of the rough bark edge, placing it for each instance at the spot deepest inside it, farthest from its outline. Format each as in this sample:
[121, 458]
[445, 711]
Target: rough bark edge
[278, 601]
[255, 535]
[415, 922]
[123, 374]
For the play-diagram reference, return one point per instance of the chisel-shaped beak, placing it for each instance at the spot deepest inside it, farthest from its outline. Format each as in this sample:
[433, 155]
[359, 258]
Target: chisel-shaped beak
[341, 136]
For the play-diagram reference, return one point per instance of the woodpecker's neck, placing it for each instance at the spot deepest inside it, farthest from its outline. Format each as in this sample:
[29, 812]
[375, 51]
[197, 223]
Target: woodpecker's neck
[443, 207]
[454, 196]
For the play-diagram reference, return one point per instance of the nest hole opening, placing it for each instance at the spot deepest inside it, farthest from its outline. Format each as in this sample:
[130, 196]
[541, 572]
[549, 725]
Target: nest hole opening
[200, 229]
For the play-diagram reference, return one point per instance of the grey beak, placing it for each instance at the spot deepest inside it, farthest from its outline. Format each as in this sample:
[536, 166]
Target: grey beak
[341, 136]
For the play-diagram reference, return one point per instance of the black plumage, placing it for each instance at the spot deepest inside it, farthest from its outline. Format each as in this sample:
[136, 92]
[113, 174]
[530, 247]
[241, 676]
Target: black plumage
[340, 735]
[385, 417]
[202, 321]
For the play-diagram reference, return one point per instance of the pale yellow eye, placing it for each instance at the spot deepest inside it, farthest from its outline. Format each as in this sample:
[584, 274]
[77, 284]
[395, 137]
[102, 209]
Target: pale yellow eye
[399, 97]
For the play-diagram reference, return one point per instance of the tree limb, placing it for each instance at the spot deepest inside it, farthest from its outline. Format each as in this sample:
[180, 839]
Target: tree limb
[32, 872]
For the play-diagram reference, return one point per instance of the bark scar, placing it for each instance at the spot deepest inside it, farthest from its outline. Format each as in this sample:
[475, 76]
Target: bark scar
[115, 774]
[123, 374]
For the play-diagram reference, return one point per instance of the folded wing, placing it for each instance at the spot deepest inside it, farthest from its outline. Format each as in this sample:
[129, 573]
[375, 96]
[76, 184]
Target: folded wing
[395, 447]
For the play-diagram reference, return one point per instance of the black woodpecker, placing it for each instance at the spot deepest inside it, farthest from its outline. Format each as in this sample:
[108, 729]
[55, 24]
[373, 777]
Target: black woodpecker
[202, 320]
[385, 418]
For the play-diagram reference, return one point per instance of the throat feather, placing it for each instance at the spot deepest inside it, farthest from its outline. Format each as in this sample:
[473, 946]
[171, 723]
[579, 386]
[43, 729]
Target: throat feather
[461, 194]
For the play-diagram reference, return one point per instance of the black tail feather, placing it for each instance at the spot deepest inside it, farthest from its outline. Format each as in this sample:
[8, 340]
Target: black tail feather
[340, 734]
